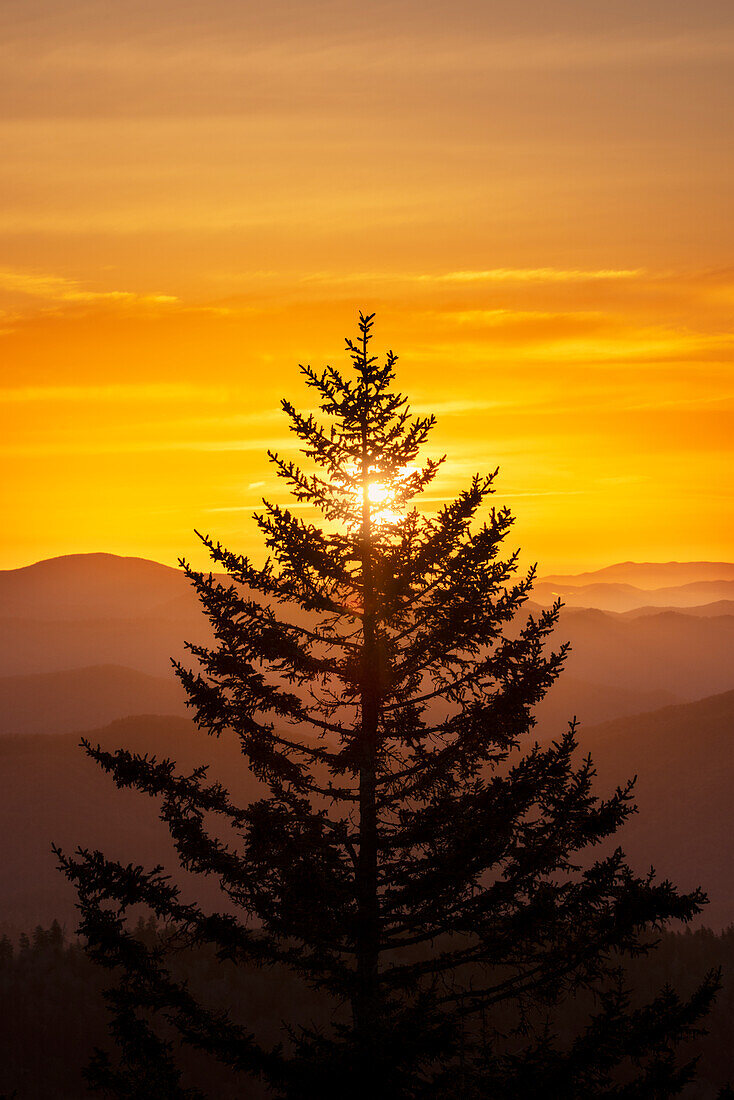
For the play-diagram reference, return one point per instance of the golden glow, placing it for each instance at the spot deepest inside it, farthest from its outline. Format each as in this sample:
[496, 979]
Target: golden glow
[381, 500]
[195, 203]
[378, 496]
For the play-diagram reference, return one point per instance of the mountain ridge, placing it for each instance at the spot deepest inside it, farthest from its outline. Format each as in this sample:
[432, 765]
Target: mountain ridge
[143, 621]
[70, 700]
[621, 598]
[632, 572]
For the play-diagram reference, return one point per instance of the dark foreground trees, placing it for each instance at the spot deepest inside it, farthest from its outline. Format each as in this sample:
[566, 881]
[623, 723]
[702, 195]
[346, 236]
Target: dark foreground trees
[414, 857]
[50, 1003]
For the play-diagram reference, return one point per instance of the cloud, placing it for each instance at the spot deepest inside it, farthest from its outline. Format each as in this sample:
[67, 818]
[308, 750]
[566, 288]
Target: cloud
[58, 288]
[488, 275]
[460, 408]
[156, 391]
[423, 48]
[80, 447]
[533, 275]
[501, 317]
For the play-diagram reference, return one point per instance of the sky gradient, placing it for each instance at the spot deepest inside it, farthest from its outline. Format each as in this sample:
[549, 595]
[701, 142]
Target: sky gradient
[536, 203]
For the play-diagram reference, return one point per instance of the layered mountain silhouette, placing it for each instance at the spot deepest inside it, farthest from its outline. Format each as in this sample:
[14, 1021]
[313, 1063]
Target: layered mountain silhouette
[87, 640]
[702, 611]
[628, 597]
[683, 757]
[84, 698]
[49, 790]
[686, 655]
[592, 703]
[87, 698]
[649, 574]
[89, 610]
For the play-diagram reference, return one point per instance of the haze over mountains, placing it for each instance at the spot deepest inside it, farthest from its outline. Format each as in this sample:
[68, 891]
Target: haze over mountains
[649, 574]
[627, 597]
[95, 609]
[87, 640]
[630, 586]
[97, 620]
[50, 790]
[84, 698]
[683, 757]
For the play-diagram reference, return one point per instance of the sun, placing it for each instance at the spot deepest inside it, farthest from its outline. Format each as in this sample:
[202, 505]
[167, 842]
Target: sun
[377, 495]
[381, 499]
[381, 496]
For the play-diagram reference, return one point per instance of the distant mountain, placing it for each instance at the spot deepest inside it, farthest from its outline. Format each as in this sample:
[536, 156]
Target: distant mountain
[684, 759]
[96, 609]
[627, 597]
[145, 642]
[649, 574]
[591, 703]
[88, 698]
[49, 790]
[84, 698]
[90, 637]
[701, 611]
[88, 586]
[676, 652]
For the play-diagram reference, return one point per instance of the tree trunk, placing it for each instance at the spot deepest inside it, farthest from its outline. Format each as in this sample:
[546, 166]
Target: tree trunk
[365, 1005]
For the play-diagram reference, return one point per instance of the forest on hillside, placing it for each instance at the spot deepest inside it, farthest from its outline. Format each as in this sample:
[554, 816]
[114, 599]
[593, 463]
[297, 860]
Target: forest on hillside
[52, 1012]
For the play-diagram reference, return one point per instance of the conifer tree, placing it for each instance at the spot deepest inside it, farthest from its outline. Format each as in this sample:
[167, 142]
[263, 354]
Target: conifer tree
[416, 857]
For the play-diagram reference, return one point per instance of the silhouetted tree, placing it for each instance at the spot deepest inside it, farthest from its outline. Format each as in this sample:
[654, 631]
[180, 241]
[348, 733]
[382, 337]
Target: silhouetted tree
[411, 857]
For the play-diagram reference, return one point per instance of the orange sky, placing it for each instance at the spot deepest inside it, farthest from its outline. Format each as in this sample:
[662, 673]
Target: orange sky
[536, 199]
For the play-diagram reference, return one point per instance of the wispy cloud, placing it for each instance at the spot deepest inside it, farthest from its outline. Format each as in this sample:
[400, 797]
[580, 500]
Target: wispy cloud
[58, 288]
[504, 317]
[155, 391]
[94, 447]
[422, 49]
[460, 408]
[533, 275]
[480, 275]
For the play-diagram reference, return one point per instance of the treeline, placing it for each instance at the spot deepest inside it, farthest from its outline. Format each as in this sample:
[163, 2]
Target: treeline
[52, 1012]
